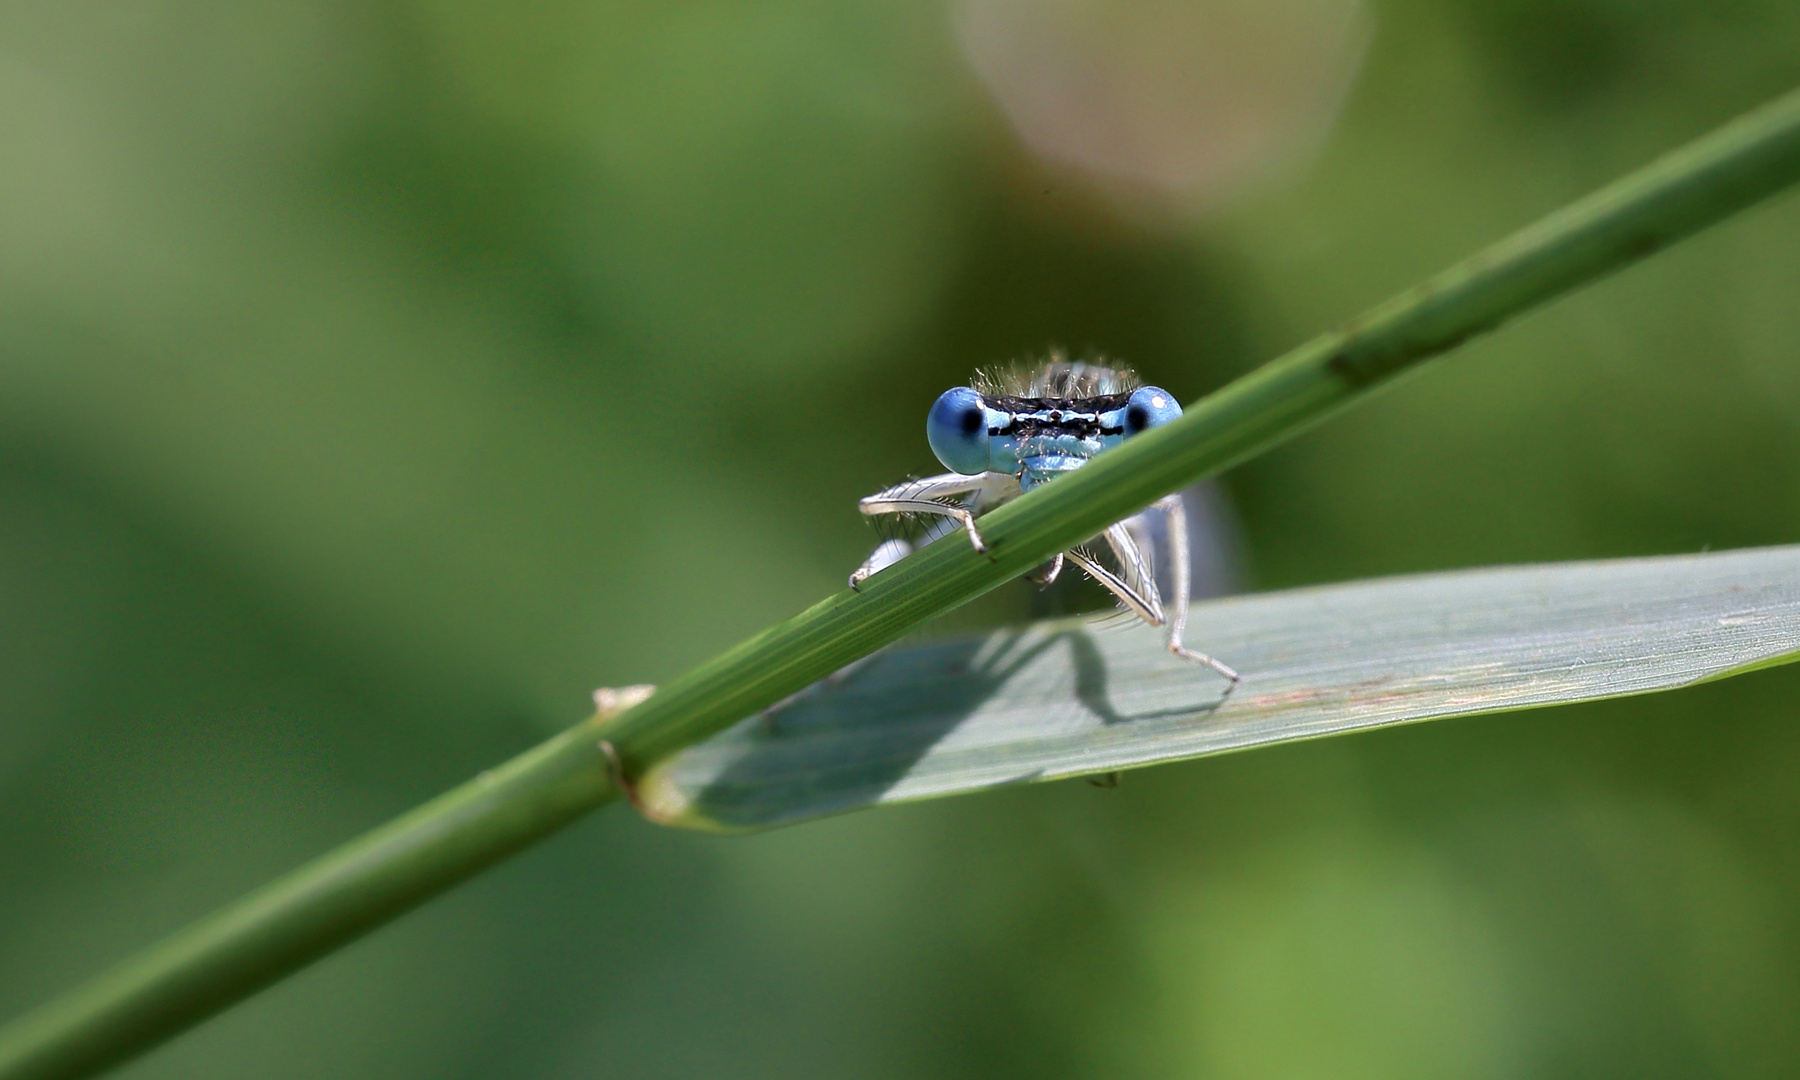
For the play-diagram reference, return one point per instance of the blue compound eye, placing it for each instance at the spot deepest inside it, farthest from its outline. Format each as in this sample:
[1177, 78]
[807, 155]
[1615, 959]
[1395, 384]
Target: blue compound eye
[1150, 406]
[957, 431]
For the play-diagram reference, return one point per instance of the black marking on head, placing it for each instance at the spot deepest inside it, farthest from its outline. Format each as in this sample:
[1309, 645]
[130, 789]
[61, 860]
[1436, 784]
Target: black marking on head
[1080, 417]
[1137, 418]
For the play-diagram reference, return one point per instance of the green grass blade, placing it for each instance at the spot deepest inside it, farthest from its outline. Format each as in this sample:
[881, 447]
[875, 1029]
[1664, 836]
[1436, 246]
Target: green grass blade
[1064, 698]
[329, 902]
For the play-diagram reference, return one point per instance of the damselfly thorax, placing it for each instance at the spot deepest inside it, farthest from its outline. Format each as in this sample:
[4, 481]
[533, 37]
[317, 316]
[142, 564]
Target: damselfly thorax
[1014, 430]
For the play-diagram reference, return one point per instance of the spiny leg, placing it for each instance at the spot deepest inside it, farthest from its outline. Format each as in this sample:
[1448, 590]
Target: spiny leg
[1132, 557]
[920, 497]
[886, 554]
[1047, 573]
[1176, 512]
[917, 497]
[891, 551]
[1144, 600]
[1145, 605]
[927, 506]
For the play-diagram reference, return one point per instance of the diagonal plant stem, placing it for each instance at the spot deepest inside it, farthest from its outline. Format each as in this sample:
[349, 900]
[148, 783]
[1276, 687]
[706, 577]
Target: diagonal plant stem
[342, 895]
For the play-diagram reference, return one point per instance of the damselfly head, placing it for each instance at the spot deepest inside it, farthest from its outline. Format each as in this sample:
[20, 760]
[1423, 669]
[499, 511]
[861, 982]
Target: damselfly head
[1039, 422]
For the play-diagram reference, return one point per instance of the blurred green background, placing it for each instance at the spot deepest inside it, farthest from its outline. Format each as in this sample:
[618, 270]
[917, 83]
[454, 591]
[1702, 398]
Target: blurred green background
[376, 380]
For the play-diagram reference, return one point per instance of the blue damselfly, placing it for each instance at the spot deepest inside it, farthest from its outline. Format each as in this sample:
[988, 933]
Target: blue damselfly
[1015, 429]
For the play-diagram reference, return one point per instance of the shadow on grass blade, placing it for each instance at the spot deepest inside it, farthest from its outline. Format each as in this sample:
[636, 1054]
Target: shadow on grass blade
[1065, 698]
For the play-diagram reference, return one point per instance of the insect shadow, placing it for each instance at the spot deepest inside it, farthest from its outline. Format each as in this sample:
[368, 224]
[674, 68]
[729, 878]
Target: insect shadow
[847, 740]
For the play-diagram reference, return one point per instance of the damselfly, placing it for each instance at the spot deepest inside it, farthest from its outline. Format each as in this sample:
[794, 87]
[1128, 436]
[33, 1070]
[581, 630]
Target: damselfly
[1016, 429]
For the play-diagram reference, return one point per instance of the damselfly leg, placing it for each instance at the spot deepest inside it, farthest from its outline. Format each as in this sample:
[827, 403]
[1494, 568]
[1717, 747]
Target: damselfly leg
[922, 497]
[1174, 509]
[1136, 586]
